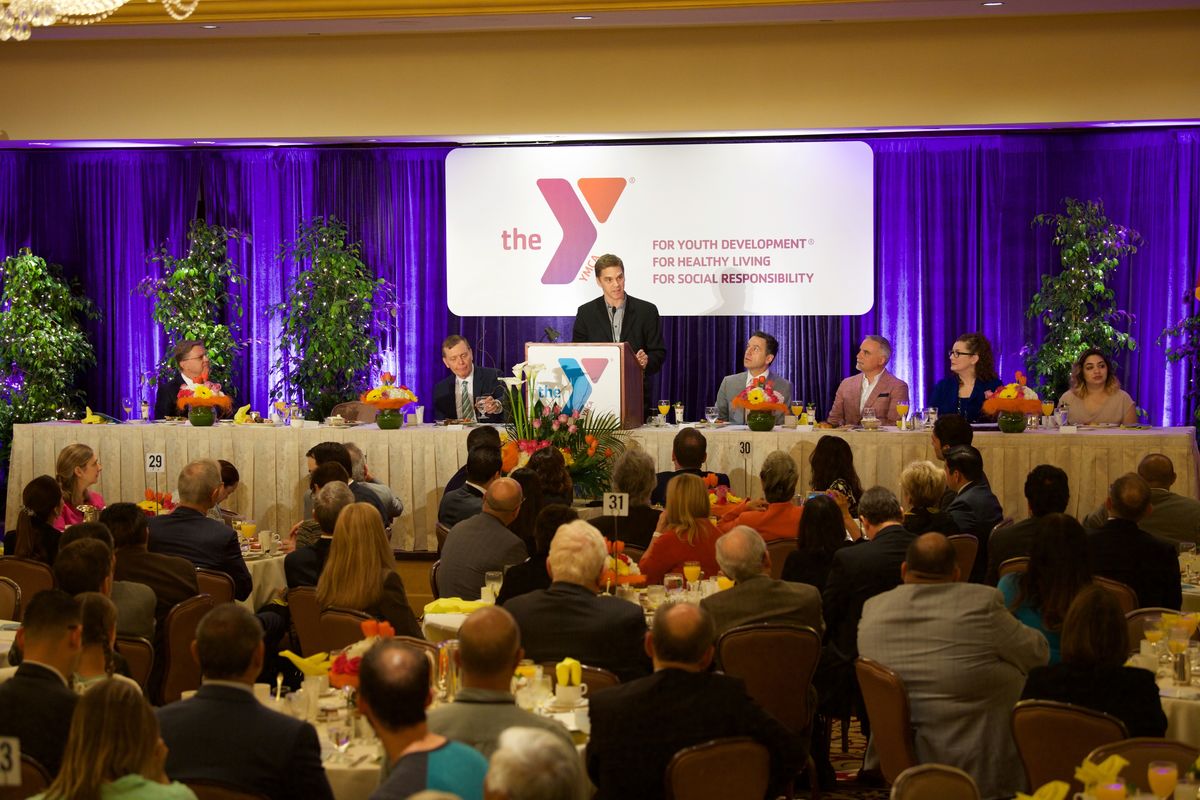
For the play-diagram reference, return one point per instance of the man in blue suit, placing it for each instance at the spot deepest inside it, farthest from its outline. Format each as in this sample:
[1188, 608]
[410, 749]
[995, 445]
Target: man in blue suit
[455, 396]
[974, 509]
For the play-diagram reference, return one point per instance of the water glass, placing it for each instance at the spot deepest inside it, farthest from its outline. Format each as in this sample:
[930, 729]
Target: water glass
[711, 414]
[493, 580]
[673, 583]
[127, 404]
[810, 411]
[679, 413]
[655, 596]
[931, 416]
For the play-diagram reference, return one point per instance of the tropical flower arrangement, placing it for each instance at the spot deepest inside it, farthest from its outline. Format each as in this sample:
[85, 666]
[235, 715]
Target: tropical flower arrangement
[1011, 403]
[587, 440]
[761, 402]
[157, 503]
[719, 495]
[620, 568]
[343, 670]
[390, 399]
[203, 395]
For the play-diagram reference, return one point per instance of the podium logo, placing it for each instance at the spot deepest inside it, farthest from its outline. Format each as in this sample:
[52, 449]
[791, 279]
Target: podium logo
[583, 373]
[579, 234]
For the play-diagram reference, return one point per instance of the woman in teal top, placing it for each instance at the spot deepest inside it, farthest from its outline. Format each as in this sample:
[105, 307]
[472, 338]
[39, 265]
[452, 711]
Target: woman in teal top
[1058, 570]
[114, 751]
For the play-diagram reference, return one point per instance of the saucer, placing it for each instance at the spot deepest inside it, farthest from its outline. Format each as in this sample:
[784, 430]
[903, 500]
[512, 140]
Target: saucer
[553, 706]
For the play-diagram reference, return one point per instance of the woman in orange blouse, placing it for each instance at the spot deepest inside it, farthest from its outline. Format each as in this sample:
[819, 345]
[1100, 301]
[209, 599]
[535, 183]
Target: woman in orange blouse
[684, 533]
[775, 517]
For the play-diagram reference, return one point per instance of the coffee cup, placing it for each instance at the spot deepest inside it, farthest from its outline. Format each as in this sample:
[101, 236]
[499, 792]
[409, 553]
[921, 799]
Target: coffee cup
[569, 696]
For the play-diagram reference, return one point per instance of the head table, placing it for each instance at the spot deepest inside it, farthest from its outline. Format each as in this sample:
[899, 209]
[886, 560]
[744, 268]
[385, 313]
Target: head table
[416, 461]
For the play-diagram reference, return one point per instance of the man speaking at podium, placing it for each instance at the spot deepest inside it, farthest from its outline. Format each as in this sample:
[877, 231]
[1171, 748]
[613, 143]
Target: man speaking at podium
[617, 317]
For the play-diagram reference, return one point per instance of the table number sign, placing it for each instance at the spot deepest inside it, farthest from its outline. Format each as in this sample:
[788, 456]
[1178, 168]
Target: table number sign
[616, 504]
[155, 462]
[10, 761]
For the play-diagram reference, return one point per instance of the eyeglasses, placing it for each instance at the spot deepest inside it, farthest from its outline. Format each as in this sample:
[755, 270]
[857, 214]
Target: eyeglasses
[959, 353]
[203, 357]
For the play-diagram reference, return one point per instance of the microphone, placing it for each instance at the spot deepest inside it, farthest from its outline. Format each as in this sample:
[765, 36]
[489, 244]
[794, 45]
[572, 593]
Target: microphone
[551, 334]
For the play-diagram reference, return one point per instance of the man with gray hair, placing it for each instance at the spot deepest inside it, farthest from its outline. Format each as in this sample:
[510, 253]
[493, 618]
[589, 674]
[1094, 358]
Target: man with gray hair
[755, 596]
[189, 533]
[303, 567]
[874, 388]
[361, 475]
[532, 764]
[572, 619]
[482, 543]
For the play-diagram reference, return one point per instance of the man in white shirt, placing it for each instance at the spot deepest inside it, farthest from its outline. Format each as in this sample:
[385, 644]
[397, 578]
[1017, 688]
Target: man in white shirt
[455, 396]
[761, 350]
[874, 388]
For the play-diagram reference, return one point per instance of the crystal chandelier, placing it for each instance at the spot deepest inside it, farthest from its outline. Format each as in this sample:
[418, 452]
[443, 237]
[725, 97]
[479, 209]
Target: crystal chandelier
[18, 18]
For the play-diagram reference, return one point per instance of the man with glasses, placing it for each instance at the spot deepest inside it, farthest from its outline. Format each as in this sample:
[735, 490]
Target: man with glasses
[191, 357]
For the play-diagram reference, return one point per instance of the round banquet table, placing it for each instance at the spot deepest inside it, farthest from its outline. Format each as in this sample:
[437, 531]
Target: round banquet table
[266, 575]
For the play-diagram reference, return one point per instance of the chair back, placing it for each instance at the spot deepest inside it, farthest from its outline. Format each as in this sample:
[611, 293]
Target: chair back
[888, 712]
[215, 790]
[779, 550]
[430, 649]
[139, 655]
[595, 678]
[1141, 751]
[1053, 738]
[306, 618]
[355, 411]
[1126, 597]
[1004, 523]
[718, 770]
[341, 627]
[10, 599]
[34, 780]
[776, 662]
[441, 530]
[433, 571]
[215, 584]
[1011, 565]
[635, 553]
[1136, 622]
[32, 576]
[934, 780]
[965, 548]
[181, 673]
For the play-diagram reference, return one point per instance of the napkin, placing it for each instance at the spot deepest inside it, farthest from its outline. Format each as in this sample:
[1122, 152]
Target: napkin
[313, 666]
[1090, 774]
[453, 605]
[1054, 790]
[569, 672]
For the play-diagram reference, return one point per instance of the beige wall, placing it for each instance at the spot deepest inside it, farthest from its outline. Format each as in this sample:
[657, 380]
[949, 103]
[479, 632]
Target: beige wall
[1037, 69]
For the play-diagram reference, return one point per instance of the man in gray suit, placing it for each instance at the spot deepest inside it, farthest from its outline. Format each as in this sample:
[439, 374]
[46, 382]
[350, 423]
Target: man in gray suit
[760, 353]
[963, 658]
[755, 595]
[1171, 516]
[482, 543]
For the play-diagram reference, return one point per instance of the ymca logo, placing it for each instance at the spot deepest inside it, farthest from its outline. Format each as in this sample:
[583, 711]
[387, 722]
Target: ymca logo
[583, 373]
[579, 234]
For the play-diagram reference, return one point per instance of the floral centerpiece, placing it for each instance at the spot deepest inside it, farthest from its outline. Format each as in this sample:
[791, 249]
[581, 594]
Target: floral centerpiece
[540, 416]
[1012, 403]
[719, 495]
[343, 671]
[390, 400]
[620, 569]
[157, 503]
[201, 400]
[761, 402]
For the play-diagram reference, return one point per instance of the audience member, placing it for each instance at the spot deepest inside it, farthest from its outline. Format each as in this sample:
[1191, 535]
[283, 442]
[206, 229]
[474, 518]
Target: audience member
[483, 467]
[307, 532]
[531, 574]
[922, 484]
[98, 618]
[171, 578]
[189, 533]
[303, 566]
[393, 695]
[489, 651]
[1121, 551]
[86, 565]
[360, 573]
[77, 469]
[531, 506]
[224, 733]
[689, 450]
[633, 474]
[1041, 595]
[820, 534]
[483, 543]
[480, 436]
[962, 658]
[35, 537]
[755, 596]
[975, 510]
[776, 516]
[638, 727]
[950, 431]
[36, 703]
[361, 474]
[832, 465]
[684, 532]
[114, 751]
[551, 467]
[230, 478]
[1095, 644]
[337, 452]
[1171, 516]
[570, 619]
[1046, 492]
[531, 764]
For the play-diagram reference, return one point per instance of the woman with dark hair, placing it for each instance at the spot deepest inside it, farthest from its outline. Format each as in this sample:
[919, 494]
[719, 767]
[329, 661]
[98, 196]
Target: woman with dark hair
[35, 537]
[820, 533]
[1096, 396]
[972, 373]
[832, 464]
[531, 505]
[531, 575]
[230, 478]
[1040, 596]
[550, 466]
[1095, 644]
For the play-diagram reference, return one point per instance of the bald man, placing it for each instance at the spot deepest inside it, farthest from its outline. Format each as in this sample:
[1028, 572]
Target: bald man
[482, 543]
[489, 651]
[1171, 516]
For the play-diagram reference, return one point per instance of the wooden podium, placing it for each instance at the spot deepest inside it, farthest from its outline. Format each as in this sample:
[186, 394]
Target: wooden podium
[604, 375]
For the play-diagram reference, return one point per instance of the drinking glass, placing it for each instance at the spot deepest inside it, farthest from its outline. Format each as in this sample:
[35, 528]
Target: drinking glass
[1154, 633]
[902, 409]
[673, 583]
[797, 409]
[1177, 639]
[127, 404]
[678, 413]
[811, 411]
[1163, 776]
[664, 406]
[711, 414]
[691, 571]
[655, 595]
[1110, 791]
[1047, 407]
[341, 734]
[493, 579]
[250, 529]
[931, 416]
[1061, 413]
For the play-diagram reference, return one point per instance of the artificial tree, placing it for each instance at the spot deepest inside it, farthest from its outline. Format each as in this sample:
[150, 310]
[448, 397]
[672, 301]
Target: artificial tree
[1187, 347]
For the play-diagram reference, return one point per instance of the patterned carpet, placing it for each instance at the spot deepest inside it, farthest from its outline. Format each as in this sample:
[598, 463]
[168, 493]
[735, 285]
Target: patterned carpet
[847, 765]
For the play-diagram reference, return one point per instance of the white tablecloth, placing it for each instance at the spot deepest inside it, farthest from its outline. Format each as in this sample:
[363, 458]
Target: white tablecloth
[1181, 704]
[267, 576]
[8, 634]
[441, 627]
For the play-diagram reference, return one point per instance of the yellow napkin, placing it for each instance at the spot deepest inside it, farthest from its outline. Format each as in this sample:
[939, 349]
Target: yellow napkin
[92, 419]
[1054, 790]
[1090, 774]
[569, 672]
[723, 583]
[240, 416]
[453, 605]
[313, 666]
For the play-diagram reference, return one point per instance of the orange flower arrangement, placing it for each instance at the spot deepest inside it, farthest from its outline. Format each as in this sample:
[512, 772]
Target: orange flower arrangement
[1014, 398]
[760, 396]
[203, 395]
[620, 568]
[389, 396]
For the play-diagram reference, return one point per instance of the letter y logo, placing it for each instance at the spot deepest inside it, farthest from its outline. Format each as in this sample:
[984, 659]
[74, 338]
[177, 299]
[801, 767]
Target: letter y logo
[579, 234]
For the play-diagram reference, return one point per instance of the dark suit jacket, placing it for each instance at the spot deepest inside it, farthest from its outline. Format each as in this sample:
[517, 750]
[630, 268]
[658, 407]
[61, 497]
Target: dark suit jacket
[224, 734]
[1150, 566]
[637, 727]
[1128, 693]
[484, 382]
[1014, 541]
[641, 327]
[172, 578]
[764, 599]
[659, 496]
[204, 542]
[464, 502]
[394, 608]
[166, 395]
[975, 510]
[637, 529]
[570, 620]
[528, 576]
[365, 494]
[810, 568]
[36, 707]
[859, 573]
[304, 566]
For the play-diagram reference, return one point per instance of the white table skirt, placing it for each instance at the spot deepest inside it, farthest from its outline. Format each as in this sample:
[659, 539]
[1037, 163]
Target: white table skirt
[267, 576]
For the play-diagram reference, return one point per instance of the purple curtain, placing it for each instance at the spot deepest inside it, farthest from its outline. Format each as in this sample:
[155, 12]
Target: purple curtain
[955, 252]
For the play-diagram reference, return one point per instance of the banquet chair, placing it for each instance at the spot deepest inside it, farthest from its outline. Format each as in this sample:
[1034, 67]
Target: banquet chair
[32, 576]
[441, 530]
[779, 550]
[215, 584]
[341, 627]
[1010, 565]
[1143, 750]
[891, 720]
[34, 779]
[1136, 621]
[433, 571]
[718, 770]
[635, 553]
[596, 678]
[425, 646]
[1053, 738]
[216, 790]
[10, 599]
[180, 670]
[139, 655]
[934, 780]
[1004, 523]
[1125, 595]
[355, 411]
[965, 548]
[306, 618]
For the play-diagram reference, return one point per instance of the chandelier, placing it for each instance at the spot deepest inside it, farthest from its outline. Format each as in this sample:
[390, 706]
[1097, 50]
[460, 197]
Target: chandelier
[18, 18]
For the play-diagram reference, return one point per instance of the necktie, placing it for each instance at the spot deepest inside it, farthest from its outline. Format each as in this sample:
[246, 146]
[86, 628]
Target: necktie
[466, 410]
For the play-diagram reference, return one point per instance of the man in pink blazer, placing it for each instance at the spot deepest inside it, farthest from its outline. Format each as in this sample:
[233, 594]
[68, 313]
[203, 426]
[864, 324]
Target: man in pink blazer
[875, 387]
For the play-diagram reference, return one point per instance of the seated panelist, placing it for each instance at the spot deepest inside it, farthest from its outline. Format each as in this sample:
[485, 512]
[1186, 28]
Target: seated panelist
[1096, 396]
[972, 375]
[470, 392]
[760, 354]
[191, 360]
[875, 388]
